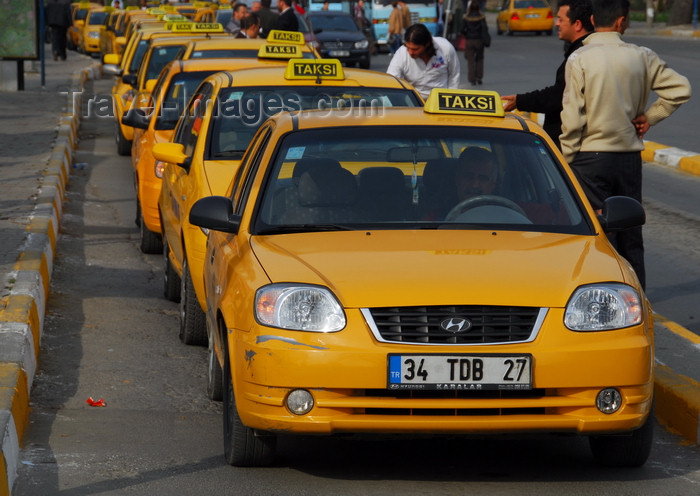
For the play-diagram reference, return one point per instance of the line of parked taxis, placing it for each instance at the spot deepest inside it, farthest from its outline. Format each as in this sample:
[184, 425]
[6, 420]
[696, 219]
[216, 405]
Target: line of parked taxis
[360, 261]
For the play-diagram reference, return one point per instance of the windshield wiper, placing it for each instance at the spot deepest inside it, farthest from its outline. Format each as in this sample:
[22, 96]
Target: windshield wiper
[229, 153]
[295, 228]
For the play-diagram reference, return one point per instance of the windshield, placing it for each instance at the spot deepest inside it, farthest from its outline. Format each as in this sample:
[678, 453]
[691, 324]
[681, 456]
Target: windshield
[241, 111]
[333, 22]
[97, 18]
[182, 87]
[531, 4]
[416, 177]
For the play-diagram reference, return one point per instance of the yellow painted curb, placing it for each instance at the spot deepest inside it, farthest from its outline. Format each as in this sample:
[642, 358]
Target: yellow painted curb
[23, 309]
[15, 399]
[4, 490]
[677, 402]
[690, 164]
[649, 152]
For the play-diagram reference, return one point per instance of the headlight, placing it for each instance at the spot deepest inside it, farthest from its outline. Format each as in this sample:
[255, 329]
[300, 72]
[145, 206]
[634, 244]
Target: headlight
[299, 307]
[602, 307]
[93, 34]
[362, 45]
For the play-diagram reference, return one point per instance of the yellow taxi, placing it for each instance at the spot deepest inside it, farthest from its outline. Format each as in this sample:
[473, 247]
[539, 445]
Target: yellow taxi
[91, 30]
[79, 12]
[247, 47]
[421, 271]
[211, 138]
[519, 16]
[169, 94]
[112, 31]
[124, 88]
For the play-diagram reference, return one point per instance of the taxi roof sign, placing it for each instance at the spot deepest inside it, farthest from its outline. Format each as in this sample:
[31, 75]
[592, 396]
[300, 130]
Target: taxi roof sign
[314, 69]
[277, 51]
[196, 27]
[290, 37]
[464, 102]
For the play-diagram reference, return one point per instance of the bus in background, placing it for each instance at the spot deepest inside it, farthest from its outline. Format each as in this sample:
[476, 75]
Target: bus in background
[424, 12]
[341, 5]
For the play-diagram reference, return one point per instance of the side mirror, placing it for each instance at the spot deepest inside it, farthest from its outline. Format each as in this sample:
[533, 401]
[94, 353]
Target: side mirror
[620, 213]
[173, 153]
[130, 79]
[215, 213]
[137, 117]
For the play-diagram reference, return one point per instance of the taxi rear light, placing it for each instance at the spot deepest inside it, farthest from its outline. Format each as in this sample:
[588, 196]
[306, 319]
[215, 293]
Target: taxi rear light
[550, 15]
[515, 17]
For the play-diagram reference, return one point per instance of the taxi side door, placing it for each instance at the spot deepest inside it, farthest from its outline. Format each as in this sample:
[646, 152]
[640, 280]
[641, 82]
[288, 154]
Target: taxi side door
[177, 185]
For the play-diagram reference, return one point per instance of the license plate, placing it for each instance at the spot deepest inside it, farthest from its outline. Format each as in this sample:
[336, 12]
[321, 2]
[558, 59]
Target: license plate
[531, 16]
[460, 372]
[338, 53]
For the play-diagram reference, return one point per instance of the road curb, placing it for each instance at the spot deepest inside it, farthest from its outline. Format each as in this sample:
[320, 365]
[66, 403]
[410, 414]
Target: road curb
[673, 157]
[677, 402]
[22, 311]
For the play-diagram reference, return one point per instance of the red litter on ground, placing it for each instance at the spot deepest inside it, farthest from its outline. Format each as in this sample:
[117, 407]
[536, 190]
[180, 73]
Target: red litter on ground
[92, 402]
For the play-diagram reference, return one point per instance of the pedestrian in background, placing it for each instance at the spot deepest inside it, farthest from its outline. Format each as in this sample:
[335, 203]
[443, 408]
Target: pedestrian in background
[240, 10]
[395, 29]
[250, 26]
[477, 37]
[267, 17]
[604, 115]
[426, 61]
[574, 25]
[58, 17]
[287, 20]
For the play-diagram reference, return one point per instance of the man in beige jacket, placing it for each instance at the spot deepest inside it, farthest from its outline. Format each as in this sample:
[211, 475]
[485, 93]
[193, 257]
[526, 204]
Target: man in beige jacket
[605, 115]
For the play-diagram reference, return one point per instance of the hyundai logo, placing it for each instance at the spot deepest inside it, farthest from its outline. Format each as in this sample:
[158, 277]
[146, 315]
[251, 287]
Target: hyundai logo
[456, 325]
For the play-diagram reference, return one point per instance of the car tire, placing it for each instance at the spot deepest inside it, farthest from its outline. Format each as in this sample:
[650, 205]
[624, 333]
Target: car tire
[630, 450]
[171, 281]
[150, 242]
[193, 327]
[550, 32]
[123, 144]
[215, 384]
[243, 447]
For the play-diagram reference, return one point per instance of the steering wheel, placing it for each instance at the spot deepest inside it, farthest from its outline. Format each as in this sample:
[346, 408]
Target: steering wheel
[480, 201]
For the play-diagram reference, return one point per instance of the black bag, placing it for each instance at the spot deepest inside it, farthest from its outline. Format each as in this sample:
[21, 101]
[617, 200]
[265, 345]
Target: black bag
[485, 36]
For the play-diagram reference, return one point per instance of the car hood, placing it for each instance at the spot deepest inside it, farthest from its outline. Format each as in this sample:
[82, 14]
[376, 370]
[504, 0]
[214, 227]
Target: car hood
[389, 268]
[325, 36]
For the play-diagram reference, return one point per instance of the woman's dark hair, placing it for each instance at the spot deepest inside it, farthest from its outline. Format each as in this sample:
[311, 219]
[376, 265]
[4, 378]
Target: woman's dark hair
[418, 34]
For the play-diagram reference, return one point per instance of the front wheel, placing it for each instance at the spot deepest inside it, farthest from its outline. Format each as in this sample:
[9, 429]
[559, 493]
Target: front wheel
[123, 144]
[150, 242]
[214, 371]
[628, 450]
[171, 281]
[193, 327]
[243, 446]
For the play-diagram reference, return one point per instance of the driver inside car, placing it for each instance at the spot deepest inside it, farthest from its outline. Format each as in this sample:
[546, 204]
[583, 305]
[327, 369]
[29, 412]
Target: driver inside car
[475, 174]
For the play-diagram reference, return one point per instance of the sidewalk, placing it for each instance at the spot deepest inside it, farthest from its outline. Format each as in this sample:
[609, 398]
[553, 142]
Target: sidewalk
[38, 139]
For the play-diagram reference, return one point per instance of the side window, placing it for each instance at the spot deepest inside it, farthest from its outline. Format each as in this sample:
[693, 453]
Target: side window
[190, 124]
[248, 169]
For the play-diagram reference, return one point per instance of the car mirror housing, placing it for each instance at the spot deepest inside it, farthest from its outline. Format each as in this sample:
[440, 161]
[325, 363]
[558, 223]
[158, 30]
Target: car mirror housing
[215, 213]
[137, 118]
[620, 213]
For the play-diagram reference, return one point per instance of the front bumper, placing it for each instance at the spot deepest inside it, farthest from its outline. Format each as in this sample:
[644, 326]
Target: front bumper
[348, 384]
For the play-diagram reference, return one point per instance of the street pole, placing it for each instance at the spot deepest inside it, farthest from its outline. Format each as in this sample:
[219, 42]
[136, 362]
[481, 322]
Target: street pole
[650, 13]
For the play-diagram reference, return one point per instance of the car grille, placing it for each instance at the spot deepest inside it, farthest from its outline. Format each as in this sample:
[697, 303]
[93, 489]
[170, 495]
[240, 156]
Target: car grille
[428, 324]
[510, 402]
[334, 45]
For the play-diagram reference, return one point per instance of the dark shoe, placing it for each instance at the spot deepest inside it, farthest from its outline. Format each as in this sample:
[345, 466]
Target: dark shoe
[55, 56]
[479, 82]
